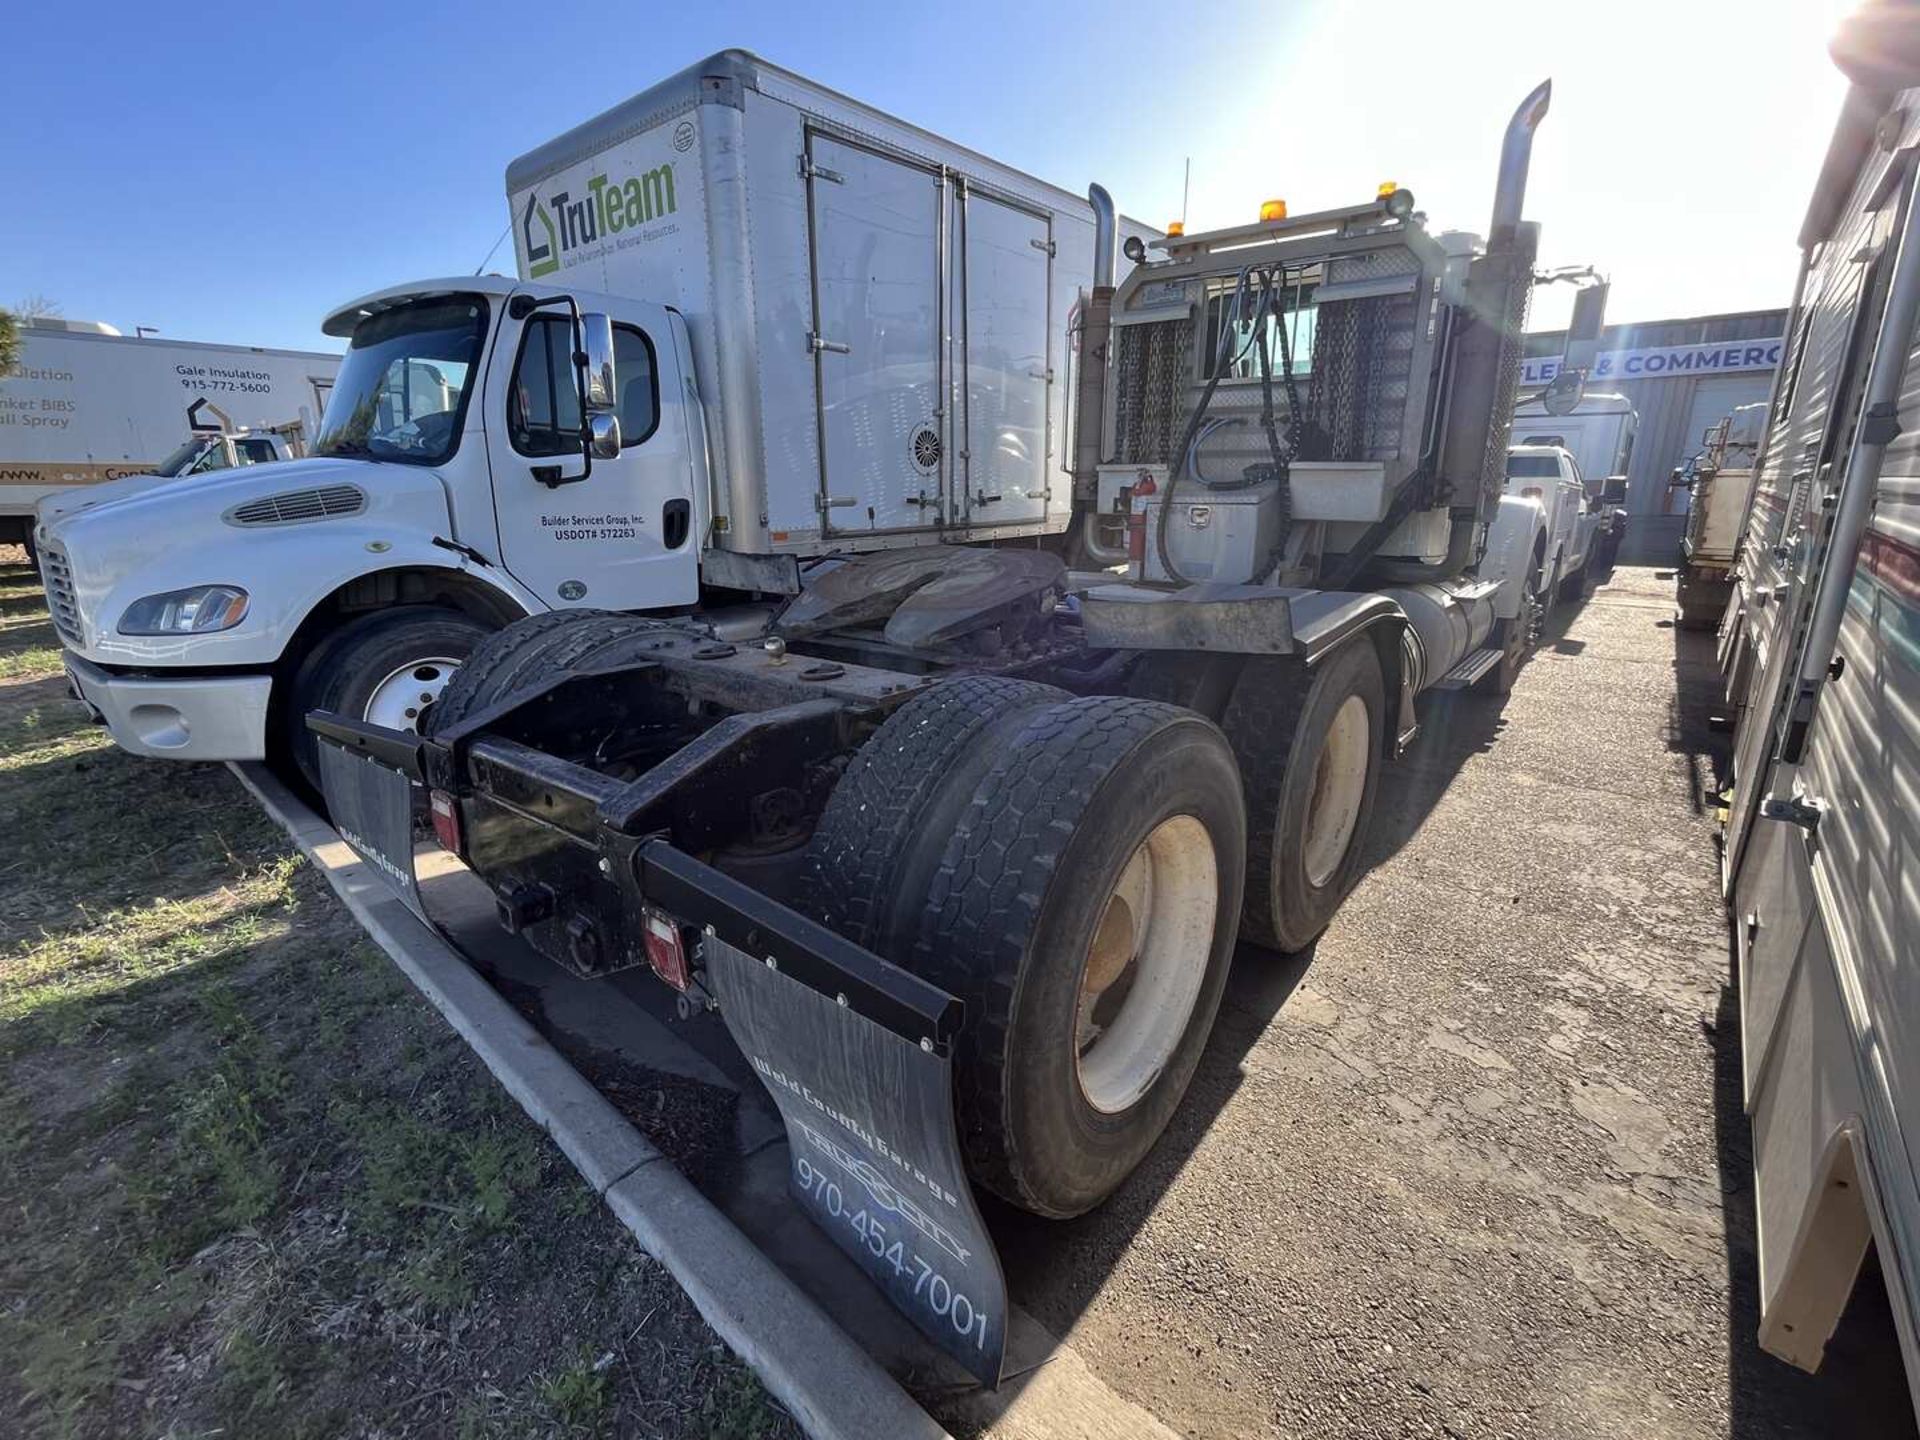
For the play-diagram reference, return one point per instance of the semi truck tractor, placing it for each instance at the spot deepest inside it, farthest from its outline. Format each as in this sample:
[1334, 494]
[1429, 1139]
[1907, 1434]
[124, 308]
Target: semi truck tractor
[824, 578]
[86, 406]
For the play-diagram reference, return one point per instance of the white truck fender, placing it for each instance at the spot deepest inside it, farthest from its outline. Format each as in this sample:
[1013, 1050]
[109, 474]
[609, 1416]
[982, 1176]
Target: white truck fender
[412, 554]
[1517, 529]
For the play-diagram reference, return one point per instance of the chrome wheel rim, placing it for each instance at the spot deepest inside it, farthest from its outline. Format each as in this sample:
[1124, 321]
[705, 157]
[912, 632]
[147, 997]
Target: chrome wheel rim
[1339, 784]
[400, 700]
[1141, 976]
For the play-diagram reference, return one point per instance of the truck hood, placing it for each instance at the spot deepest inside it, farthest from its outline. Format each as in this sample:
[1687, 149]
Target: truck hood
[216, 491]
[152, 536]
[81, 497]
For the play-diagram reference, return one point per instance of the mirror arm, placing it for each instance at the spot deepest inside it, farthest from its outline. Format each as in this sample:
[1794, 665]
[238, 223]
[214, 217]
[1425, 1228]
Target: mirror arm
[519, 308]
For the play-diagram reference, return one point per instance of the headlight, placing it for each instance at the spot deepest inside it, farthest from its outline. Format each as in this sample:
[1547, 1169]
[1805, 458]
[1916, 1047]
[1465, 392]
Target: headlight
[198, 611]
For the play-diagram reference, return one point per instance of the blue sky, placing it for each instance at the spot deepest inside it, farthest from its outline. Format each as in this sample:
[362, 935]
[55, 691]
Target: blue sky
[233, 173]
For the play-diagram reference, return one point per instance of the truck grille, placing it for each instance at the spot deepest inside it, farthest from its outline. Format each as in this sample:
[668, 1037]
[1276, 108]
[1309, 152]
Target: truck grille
[58, 579]
[294, 506]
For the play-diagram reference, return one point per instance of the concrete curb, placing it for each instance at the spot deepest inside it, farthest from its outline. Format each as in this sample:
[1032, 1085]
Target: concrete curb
[831, 1386]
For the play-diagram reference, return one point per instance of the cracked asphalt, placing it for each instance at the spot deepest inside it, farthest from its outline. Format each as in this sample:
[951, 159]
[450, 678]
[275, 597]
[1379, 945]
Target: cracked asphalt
[1476, 1165]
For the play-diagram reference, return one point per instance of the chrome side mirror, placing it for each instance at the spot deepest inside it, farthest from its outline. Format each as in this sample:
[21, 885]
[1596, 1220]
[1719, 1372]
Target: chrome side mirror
[603, 435]
[596, 343]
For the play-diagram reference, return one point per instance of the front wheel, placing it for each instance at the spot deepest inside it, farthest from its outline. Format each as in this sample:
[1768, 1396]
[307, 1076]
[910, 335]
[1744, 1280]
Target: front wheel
[388, 668]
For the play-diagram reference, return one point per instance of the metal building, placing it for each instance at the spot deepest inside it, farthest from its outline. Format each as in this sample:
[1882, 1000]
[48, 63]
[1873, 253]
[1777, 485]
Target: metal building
[1682, 376]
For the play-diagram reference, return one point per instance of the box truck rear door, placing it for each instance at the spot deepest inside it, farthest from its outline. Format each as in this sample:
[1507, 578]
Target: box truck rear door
[875, 223]
[1004, 284]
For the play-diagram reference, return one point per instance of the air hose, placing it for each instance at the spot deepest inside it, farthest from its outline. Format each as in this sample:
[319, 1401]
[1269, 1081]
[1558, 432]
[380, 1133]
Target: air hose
[1265, 301]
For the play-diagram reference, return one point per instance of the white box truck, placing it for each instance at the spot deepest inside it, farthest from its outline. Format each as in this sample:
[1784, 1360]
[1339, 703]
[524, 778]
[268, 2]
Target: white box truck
[709, 585]
[87, 405]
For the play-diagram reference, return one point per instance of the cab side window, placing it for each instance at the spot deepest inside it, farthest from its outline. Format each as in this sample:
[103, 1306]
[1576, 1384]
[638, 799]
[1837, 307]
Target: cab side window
[543, 408]
[639, 399]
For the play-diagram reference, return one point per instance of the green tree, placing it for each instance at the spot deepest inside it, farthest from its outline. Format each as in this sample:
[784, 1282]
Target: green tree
[9, 341]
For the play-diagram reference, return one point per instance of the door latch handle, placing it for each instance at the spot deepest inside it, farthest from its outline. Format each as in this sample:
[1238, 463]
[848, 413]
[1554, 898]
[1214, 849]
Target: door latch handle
[818, 344]
[981, 497]
[1796, 811]
[833, 502]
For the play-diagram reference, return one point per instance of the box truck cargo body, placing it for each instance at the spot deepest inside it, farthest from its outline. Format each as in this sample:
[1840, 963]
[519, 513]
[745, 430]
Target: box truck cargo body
[85, 406]
[879, 317]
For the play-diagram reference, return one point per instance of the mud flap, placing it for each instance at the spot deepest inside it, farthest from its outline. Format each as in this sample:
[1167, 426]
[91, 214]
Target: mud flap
[372, 807]
[875, 1151]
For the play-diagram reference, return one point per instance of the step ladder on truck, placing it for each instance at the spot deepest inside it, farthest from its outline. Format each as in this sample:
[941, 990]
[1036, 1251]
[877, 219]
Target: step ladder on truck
[795, 418]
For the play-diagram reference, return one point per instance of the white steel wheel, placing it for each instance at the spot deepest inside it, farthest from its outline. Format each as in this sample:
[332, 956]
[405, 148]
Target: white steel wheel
[1339, 784]
[1145, 964]
[401, 698]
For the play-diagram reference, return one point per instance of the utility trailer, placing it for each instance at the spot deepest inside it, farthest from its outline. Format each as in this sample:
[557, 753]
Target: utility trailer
[1719, 483]
[1820, 648]
[959, 838]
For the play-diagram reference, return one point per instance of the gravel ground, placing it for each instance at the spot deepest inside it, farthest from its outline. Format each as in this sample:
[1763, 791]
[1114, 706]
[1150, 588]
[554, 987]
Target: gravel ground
[1476, 1165]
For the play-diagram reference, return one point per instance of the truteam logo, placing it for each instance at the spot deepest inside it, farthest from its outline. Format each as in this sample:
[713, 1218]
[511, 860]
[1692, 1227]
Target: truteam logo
[562, 224]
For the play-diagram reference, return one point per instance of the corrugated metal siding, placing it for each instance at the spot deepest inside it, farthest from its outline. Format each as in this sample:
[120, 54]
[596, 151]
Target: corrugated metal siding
[1665, 404]
[1667, 436]
[1687, 330]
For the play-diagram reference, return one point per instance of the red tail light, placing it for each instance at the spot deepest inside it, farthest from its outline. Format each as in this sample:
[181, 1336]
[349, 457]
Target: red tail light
[666, 950]
[446, 820]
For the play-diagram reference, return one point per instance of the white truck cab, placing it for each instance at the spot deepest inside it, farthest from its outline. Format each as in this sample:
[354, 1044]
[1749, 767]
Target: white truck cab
[1550, 474]
[446, 494]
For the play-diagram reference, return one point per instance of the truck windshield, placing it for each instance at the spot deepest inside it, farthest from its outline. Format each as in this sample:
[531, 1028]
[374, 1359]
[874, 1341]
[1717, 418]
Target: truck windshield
[181, 460]
[403, 387]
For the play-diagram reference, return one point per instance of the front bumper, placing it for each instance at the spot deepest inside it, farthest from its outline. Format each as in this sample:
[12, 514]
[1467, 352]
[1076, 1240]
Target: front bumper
[196, 717]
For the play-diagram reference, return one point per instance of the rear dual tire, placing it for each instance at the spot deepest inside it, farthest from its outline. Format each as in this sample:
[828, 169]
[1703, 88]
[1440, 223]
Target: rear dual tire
[1310, 744]
[1071, 869]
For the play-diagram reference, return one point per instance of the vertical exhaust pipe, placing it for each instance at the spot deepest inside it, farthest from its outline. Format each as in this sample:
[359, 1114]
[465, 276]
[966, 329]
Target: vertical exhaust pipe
[1090, 391]
[1473, 457]
[1516, 151]
[1103, 235]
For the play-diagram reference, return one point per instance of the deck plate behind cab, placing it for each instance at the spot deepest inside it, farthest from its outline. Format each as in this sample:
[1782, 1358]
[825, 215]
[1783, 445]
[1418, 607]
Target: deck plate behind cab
[928, 595]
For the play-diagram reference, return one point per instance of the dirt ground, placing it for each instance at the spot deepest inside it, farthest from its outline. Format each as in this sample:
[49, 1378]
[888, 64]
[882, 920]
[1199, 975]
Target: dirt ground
[1476, 1165]
[252, 1184]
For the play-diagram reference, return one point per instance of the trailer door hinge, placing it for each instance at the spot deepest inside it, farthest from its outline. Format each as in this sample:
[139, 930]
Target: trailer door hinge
[834, 502]
[811, 171]
[1797, 811]
[1046, 245]
[818, 343]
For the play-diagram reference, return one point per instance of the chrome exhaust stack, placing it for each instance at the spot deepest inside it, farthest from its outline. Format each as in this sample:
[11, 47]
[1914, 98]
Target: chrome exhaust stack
[1516, 152]
[1473, 457]
[1090, 387]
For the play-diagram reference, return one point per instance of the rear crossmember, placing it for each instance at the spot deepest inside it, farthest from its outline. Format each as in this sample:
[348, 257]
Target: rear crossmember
[856, 1053]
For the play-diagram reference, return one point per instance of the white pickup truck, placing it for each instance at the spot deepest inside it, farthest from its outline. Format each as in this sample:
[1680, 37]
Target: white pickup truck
[1551, 475]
